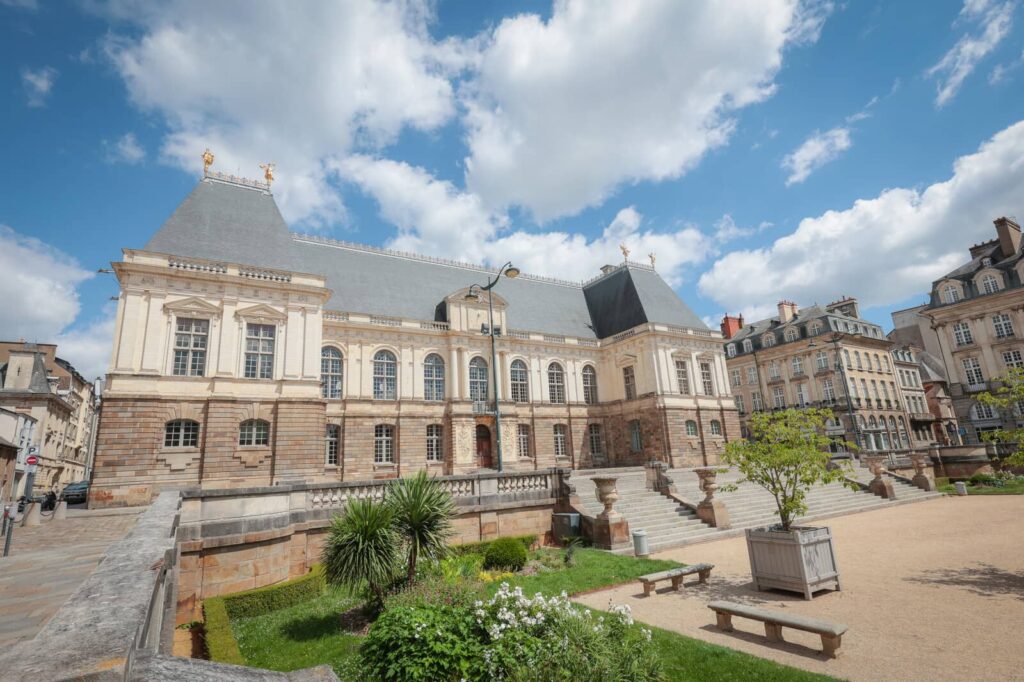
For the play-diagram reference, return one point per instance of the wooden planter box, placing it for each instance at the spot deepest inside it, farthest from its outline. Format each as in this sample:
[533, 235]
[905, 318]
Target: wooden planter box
[799, 560]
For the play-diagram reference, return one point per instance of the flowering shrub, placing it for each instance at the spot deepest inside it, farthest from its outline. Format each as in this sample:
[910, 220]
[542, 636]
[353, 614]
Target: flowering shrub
[493, 576]
[509, 637]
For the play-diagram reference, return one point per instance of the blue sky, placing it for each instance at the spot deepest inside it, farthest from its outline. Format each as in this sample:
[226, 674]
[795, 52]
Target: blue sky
[771, 149]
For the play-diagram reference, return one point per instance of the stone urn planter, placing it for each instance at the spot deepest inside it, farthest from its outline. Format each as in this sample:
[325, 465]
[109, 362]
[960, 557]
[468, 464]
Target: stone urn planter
[798, 560]
[609, 529]
[607, 495]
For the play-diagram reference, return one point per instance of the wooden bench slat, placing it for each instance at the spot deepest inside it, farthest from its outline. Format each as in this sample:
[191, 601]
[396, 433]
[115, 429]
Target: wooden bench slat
[794, 621]
[673, 572]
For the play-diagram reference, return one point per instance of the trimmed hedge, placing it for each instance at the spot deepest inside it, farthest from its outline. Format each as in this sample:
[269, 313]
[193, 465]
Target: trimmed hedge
[221, 645]
[506, 553]
[481, 547]
[275, 597]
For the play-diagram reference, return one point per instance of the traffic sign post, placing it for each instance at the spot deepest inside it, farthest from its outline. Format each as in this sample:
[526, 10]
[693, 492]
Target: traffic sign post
[31, 465]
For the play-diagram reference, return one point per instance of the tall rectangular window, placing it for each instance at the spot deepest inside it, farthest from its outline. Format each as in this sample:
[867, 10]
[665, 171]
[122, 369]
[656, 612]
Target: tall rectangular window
[798, 365]
[435, 447]
[773, 370]
[972, 372]
[383, 444]
[734, 378]
[332, 445]
[751, 375]
[635, 441]
[523, 440]
[821, 360]
[1003, 325]
[962, 334]
[1012, 358]
[705, 377]
[828, 391]
[259, 351]
[596, 444]
[560, 441]
[739, 403]
[629, 382]
[190, 339]
[519, 382]
[755, 401]
[683, 376]
[778, 397]
[801, 395]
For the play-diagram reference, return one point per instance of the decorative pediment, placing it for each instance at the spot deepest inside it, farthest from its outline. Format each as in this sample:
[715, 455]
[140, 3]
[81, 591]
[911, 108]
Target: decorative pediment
[261, 313]
[459, 298]
[192, 306]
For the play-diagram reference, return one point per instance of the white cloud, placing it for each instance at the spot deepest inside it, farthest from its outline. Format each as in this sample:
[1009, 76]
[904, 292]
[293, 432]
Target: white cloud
[30, 5]
[884, 249]
[560, 113]
[993, 22]
[815, 152]
[38, 83]
[89, 347]
[435, 218]
[301, 84]
[126, 149]
[999, 73]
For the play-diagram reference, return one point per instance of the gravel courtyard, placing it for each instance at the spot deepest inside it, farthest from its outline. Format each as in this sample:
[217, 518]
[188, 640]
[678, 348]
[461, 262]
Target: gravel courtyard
[932, 590]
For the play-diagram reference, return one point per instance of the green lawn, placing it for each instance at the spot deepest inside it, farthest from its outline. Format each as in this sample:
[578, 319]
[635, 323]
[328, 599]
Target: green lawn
[312, 633]
[1012, 488]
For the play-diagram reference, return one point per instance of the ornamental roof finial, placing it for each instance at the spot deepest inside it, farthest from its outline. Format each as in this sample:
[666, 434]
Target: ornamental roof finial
[625, 251]
[268, 172]
[652, 257]
[207, 160]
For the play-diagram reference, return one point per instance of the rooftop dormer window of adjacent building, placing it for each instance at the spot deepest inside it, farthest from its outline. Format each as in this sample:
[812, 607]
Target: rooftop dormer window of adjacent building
[989, 284]
[950, 293]
[748, 345]
[768, 340]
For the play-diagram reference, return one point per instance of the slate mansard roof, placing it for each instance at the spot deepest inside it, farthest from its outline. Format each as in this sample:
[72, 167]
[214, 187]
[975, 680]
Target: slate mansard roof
[828, 317]
[225, 221]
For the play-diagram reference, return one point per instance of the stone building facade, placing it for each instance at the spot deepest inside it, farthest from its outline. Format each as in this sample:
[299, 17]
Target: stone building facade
[974, 322]
[62, 405]
[820, 356]
[248, 355]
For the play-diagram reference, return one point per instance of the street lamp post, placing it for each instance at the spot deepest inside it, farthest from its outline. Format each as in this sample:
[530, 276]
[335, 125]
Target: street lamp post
[834, 340]
[512, 272]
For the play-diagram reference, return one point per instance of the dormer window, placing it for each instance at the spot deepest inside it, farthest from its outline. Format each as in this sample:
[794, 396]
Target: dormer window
[768, 340]
[950, 293]
[748, 345]
[792, 334]
[989, 284]
[731, 350]
[986, 262]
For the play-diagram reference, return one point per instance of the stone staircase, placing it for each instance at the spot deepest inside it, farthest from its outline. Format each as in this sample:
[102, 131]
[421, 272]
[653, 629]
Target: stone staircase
[669, 524]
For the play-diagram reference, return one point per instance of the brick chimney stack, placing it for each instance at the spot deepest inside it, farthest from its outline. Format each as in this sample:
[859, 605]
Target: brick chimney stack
[787, 311]
[1009, 236]
[731, 325]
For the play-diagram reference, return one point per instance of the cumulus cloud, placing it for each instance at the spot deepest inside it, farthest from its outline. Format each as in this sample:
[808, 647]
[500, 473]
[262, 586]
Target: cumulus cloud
[993, 22]
[436, 218]
[299, 84]
[126, 149]
[38, 83]
[561, 112]
[889, 247]
[89, 347]
[817, 150]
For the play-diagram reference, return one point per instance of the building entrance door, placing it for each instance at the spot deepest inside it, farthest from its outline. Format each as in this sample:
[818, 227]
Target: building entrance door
[483, 446]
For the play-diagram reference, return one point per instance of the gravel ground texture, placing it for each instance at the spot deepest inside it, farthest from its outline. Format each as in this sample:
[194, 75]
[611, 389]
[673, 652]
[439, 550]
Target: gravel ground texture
[931, 591]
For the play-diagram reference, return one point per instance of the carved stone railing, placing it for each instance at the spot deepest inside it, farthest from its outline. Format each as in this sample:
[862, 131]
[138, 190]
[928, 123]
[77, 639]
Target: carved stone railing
[179, 264]
[525, 482]
[265, 275]
[383, 321]
[435, 326]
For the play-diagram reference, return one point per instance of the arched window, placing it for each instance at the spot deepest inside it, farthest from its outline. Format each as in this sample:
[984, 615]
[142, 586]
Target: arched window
[856, 357]
[383, 444]
[332, 445]
[792, 334]
[330, 373]
[950, 293]
[691, 427]
[561, 449]
[716, 427]
[520, 382]
[435, 443]
[254, 432]
[181, 433]
[878, 362]
[846, 356]
[478, 379]
[433, 377]
[731, 350]
[589, 385]
[748, 345]
[768, 340]
[385, 376]
[989, 284]
[872, 424]
[556, 383]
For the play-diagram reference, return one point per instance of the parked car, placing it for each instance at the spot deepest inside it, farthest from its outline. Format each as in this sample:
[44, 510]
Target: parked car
[76, 492]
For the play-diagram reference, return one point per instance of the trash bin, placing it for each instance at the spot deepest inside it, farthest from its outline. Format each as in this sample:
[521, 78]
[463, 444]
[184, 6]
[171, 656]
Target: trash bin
[640, 547]
[565, 525]
[961, 488]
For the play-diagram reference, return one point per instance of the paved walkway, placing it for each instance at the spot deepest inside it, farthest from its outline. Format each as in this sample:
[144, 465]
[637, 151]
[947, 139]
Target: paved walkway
[48, 562]
[931, 591]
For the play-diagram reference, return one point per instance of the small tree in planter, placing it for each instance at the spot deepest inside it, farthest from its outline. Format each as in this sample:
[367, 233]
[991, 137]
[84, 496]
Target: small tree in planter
[1006, 398]
[787, 455]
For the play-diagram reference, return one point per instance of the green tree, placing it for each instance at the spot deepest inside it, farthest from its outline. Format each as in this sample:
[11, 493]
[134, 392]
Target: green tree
[1008, 398]
[363, 545]
[787, 454]
[423, 511]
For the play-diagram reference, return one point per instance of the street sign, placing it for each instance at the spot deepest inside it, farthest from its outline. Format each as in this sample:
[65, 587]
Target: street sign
[31, 460]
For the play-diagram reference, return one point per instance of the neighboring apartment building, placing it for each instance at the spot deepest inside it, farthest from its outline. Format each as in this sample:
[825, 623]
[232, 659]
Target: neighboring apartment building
[35, 382]
[17, 430]
[790, 360]
[248, 355]
[974, 323]
[915, 399]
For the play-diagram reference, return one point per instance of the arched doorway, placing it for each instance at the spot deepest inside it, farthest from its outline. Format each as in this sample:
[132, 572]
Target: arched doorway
[483, 446]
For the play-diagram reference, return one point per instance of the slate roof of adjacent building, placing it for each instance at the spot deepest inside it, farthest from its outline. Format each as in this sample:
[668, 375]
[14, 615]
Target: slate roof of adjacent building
[221, 220]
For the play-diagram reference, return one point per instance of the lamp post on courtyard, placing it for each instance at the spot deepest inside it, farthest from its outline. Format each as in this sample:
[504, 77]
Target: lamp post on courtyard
[834, 340]
[511, 272]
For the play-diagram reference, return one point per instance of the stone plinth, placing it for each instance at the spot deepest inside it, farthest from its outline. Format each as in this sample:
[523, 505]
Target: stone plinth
[879, 485]
[921, 479]
[710, 510]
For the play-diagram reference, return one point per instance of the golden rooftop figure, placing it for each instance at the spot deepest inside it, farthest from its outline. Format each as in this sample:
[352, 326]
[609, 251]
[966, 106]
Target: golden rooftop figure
[625, 251]
[268, 171]
[207, 160]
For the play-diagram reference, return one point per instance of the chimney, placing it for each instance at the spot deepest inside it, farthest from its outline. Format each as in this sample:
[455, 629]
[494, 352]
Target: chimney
[1009, 236]
[787, 311]
[731, 325]
[605, 269]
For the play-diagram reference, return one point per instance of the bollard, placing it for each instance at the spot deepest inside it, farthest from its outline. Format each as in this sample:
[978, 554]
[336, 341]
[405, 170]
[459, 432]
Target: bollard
[640, 546]
[961, 488]
[61, 511]
[32, 515]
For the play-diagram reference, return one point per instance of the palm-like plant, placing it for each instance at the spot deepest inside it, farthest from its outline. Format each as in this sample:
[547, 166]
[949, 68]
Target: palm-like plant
[423, 512]
[363, 545]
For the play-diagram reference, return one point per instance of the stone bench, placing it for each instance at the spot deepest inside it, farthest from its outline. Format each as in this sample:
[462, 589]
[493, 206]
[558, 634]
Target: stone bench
[774, 621]
[676, 575]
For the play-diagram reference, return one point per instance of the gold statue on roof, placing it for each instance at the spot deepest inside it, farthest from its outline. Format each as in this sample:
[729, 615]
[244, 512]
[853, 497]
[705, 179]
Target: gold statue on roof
[207, 160]
[268, 171]
[652, 257]
[625, 251]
